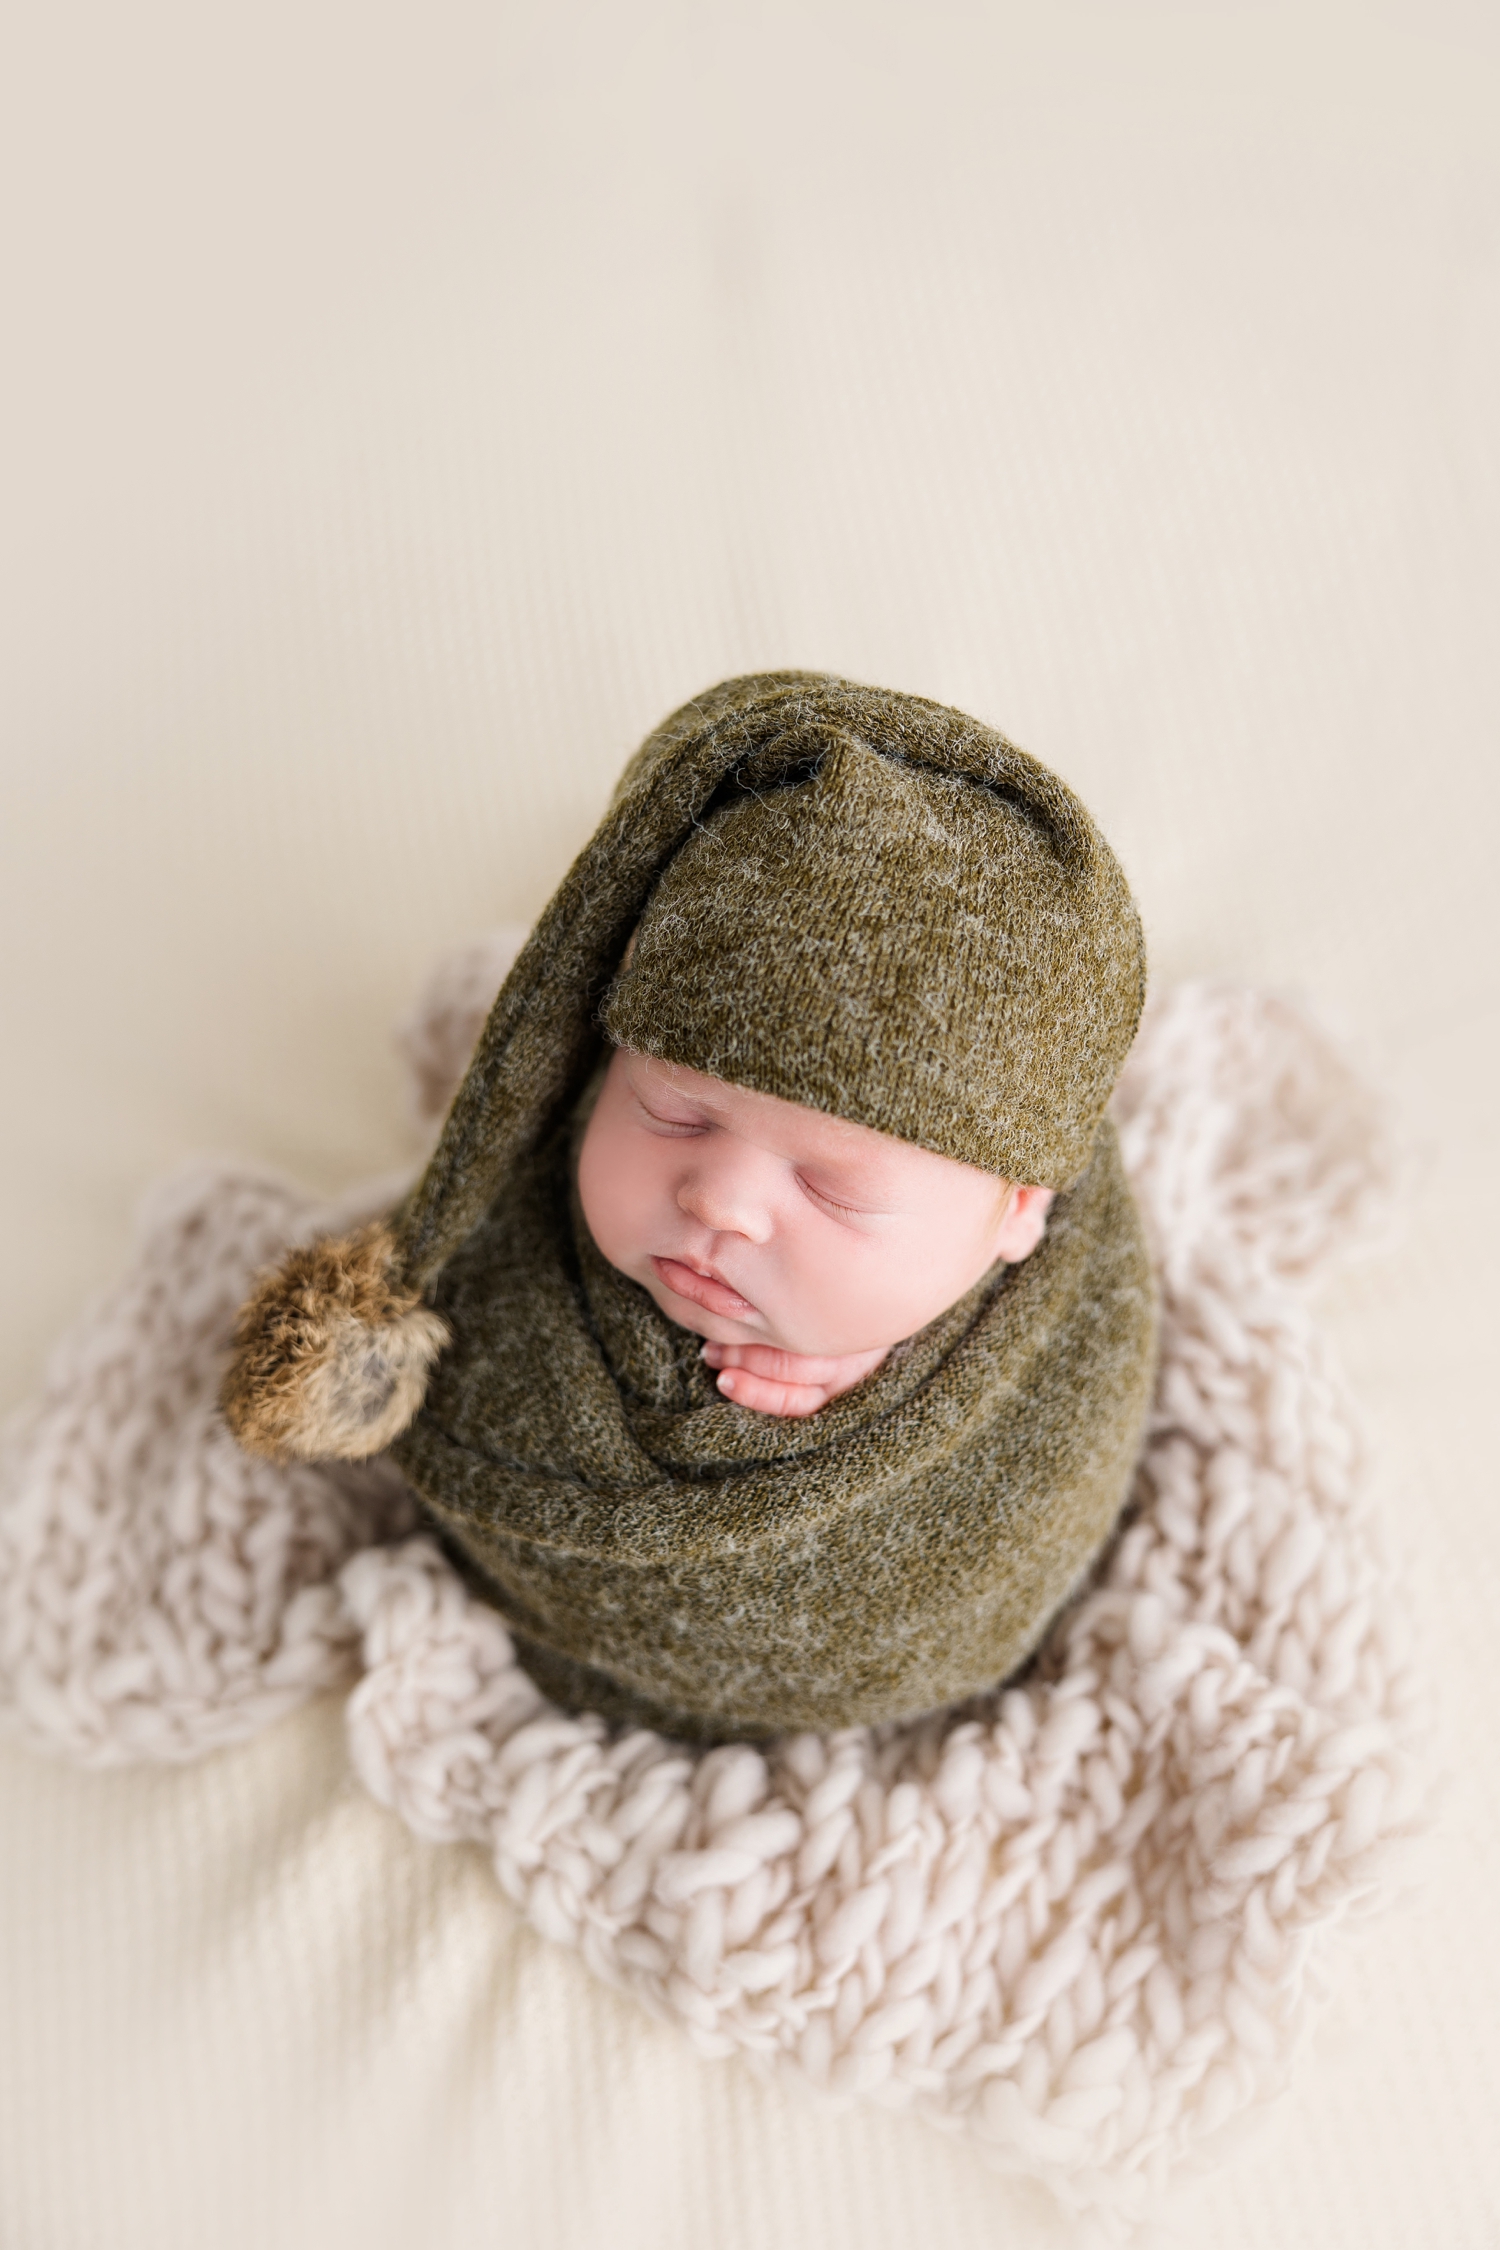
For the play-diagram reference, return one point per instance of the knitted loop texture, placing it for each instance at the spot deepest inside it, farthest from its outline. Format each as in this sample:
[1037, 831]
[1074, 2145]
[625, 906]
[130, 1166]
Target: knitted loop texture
[888, 911]
[842, 895]
[1074, 1920]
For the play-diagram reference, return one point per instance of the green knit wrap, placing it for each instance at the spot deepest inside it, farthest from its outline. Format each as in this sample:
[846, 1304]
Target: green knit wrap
[875, 906]
[924, 932]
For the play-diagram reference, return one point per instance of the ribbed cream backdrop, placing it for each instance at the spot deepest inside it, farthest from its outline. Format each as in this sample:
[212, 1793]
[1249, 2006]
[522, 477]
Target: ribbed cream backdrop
[403, 407]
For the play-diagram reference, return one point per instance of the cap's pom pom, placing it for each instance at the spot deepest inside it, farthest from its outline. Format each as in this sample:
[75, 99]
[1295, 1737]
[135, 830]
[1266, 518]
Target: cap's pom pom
[332, 1353]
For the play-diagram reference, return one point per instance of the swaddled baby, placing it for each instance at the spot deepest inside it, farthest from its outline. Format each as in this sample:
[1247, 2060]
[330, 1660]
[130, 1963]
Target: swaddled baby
[802, 1246]
[819, 1025]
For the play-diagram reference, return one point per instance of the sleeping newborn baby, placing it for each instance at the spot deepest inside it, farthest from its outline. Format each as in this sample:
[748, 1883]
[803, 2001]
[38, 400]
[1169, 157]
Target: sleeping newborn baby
[770, 1336]
[802, 1246]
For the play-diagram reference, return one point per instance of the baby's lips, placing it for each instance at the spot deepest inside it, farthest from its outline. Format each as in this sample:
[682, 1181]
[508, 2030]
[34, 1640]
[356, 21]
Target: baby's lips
[704, 1290]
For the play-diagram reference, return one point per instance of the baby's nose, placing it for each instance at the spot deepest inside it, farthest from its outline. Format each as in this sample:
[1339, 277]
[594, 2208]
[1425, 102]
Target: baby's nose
[725, 1204]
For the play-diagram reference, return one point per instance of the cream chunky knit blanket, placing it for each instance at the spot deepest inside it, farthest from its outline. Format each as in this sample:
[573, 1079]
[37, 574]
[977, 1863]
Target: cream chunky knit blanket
[1077, 1921]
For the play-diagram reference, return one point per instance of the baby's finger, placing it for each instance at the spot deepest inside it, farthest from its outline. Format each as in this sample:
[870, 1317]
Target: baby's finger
[765, 1397]
[776, 1365]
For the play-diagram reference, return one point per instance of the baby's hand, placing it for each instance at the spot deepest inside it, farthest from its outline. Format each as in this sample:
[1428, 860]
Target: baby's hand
[776, 1382]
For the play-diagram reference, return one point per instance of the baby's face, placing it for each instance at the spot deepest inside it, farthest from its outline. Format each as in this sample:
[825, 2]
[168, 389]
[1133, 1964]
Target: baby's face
[753, 1221]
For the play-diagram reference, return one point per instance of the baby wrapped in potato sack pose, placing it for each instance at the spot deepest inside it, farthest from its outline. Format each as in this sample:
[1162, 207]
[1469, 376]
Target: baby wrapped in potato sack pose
[770, 1335]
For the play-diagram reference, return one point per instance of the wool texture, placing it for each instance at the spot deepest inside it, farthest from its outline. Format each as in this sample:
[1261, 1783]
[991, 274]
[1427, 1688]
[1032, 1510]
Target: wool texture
[908, 883]
[667, 1558]
[893, 914]
[1085, 1923]
[882, 909]
[874, 906]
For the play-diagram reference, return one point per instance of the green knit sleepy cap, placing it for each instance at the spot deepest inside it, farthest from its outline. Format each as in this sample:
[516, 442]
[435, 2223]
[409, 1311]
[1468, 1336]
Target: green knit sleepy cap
[858, 900]
[908, 922]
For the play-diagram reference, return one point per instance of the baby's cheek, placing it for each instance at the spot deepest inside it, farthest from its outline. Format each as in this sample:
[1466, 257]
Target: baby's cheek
[632, 1215]
[854, 1290]
[607, 1189]
[912, 1279]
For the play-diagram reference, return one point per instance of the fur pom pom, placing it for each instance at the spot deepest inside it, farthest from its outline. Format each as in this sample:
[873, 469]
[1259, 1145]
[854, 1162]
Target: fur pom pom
[331, 1354]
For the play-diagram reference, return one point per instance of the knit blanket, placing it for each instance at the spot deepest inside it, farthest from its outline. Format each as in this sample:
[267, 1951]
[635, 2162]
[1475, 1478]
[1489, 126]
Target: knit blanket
[1078, 1920]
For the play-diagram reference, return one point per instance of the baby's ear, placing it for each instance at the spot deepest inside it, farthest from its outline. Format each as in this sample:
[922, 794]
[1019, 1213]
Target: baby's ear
[1024, 1223]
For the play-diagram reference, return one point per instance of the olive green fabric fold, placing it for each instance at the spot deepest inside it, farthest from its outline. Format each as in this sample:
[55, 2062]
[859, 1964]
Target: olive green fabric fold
[1012, 921]
[673, 1560]
[875, 906]
[935, 955]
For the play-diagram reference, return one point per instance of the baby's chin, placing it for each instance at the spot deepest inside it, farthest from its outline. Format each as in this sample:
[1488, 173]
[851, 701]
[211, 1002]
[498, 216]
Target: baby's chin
[712, 1327]
[715, 1329]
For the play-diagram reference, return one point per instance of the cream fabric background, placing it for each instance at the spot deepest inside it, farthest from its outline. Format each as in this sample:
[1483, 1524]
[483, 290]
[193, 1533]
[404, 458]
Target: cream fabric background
[404, 408]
